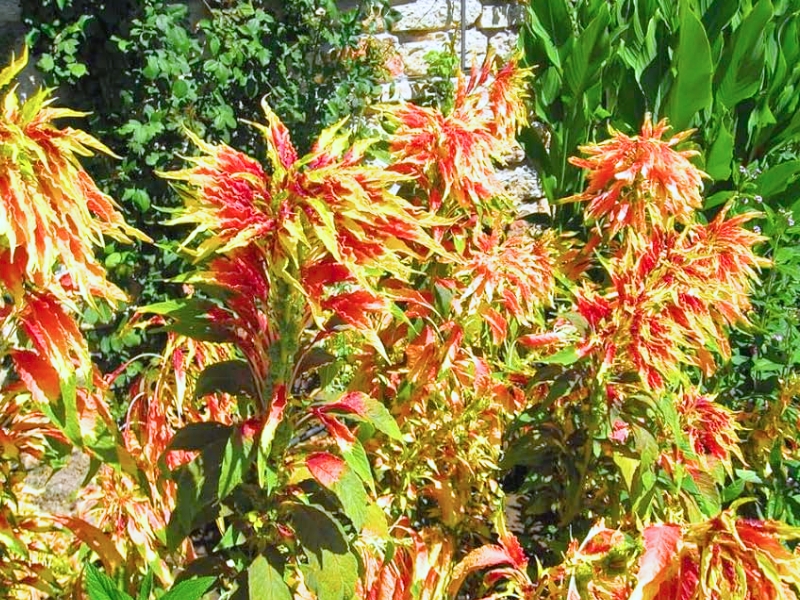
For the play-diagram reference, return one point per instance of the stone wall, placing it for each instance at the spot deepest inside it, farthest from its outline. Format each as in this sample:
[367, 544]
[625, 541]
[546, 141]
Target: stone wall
[427, 25]
[435, 25]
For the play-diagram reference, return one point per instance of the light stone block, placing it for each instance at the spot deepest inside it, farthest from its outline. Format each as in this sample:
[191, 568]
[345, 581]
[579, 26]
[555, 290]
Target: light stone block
[501, 16]
[435, 15]
[504, 43]
[413, 53]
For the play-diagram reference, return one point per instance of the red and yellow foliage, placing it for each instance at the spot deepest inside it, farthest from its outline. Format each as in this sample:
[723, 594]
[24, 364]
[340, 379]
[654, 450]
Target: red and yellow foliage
[365, 329]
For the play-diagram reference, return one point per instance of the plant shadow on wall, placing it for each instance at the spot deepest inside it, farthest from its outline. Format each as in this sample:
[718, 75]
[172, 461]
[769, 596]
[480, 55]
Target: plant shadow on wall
[728, 69]
[146, 73]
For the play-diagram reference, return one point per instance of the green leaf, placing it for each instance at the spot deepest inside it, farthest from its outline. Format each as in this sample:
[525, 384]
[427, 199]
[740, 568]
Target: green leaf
[554, 15]
[146, 588]
[190, 318]
[356, 458]
[235, 462]
[191, 589]
[370, 410]
[534, 32]
[197, 436]
[46, 63]
[694, 71]
[100, 586]
[581, 67]
[567, 356]
[717, 17]
[382, 419]
[180, 88]
[337, 476]
[718, 198]
[627, 466]
[12, 543]
[742, 64]
[720, 156]
[776, 179]
[230, 377]
[264, 581]
[78, 69]
[332, 570]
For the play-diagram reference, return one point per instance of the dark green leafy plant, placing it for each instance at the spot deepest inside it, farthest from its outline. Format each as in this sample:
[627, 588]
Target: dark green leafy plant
[148, 71]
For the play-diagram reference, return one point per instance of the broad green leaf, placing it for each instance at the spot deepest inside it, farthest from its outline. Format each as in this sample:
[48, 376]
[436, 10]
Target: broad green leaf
[146, 588]
[638, 56]
[332, 570]
[264, 581]
[717, 16]
[230, 377]
[197, 436]
[356, 458]
[694, 71]
[567, 356]
[720, 156]
[582, 65]
[382, 419]
[718, 199]
[375, 522]
[776, 179]
[196, 503]
[336, 475]
[190, 318]
[100, 586]
[191, 589]
[535, 32]
[742, 65]
[235, 463]
[369, 409]
[12, 543]
[180, 88]
[733, 491]
[627, 466]
[554, 15]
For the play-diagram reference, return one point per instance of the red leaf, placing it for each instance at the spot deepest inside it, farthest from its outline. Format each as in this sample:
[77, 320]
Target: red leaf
[352, 402]
[497, 323]
[534, 340]
[661, 545]
[325, 467]
[353, 307]
[514, 550]
[37, 374]
[480, 558]
[343, 436]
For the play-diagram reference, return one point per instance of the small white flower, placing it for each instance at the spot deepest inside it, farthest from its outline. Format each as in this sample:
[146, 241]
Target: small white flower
[757, 229]
[758, 199]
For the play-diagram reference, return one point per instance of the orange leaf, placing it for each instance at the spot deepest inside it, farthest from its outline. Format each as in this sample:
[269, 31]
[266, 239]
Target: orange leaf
[486, 556]
[98, 541]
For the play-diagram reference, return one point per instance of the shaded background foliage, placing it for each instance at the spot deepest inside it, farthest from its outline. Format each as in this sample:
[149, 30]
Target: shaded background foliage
[148, 70]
